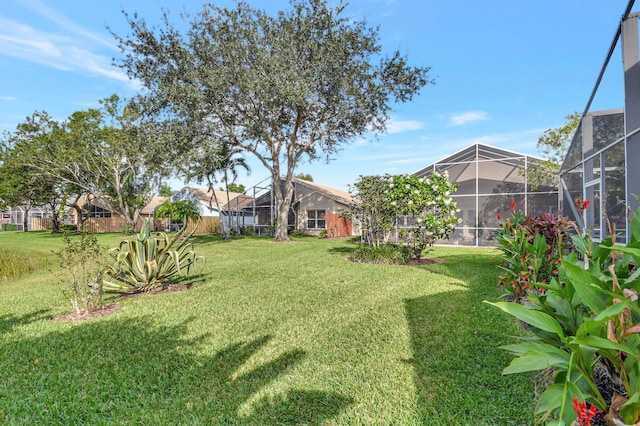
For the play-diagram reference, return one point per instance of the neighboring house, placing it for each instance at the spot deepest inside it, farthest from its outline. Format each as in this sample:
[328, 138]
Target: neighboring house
[489, 178]
[149, 212]
[38, 219]
[234, 211]
[99, 218]
[314, 208]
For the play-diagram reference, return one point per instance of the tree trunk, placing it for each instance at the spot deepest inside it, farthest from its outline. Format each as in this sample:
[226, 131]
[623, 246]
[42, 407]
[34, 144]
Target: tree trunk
[283, 203]
[224, 229]
[25, 219]
[55, 220]
[226, 187]
[80, 217]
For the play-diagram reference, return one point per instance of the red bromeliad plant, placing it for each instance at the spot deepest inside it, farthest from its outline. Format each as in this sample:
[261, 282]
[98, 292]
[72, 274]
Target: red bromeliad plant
[585, 415]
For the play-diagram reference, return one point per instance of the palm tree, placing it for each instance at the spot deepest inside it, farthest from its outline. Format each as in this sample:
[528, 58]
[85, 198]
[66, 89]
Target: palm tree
[225, 161]
[216, 164]
[231, 160]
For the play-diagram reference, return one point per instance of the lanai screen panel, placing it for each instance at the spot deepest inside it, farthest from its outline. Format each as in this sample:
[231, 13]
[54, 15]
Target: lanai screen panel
[603, 161]
[489, 179]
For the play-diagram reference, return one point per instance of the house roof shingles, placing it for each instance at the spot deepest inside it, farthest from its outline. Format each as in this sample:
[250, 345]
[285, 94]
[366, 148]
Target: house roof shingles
[336, 194]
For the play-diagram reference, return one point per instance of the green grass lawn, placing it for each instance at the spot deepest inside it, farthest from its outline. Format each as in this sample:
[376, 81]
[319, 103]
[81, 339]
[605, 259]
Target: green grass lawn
[270, 333]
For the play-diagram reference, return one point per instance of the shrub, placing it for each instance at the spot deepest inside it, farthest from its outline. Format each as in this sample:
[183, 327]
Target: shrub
[69, 228]
[586, 319]
[148, 261]
[82, 262]
[323, 234]
[424, 205]
[387, 254]
[9, 227]
[127, 229]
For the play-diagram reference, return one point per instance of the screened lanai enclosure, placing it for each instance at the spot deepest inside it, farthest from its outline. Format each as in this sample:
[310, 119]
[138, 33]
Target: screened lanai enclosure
[489, 179]
[602, 164]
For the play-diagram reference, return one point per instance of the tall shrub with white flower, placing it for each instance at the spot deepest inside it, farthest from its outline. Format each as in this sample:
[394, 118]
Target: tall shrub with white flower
[425, 205]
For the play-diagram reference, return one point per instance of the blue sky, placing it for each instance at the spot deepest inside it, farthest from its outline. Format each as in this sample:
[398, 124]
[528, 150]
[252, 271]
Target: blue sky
[505, 70]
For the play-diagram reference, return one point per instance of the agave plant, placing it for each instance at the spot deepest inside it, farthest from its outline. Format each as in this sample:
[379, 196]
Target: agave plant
[148, 261]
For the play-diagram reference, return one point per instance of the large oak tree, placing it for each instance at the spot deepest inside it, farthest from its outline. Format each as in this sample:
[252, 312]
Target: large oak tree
[285, 88]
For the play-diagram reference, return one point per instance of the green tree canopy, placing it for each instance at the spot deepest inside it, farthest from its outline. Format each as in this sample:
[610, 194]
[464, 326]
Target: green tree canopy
[304, 176]
[21, 182]
[298, 84]
[165, 190]
[178, 211]
[553, 146]
[110, 153]
[234, 187]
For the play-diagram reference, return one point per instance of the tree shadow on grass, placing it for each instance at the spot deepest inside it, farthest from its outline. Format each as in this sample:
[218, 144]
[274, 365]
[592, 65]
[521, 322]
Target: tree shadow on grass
[341, 250]
[134, 371]
[472, 269]
[9, 321]
[458, 366]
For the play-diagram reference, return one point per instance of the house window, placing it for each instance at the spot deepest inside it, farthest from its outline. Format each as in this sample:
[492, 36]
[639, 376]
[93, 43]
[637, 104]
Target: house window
[96, 211]
[316, 219]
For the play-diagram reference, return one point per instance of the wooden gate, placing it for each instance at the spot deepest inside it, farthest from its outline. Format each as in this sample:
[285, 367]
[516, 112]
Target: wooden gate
[338, 226]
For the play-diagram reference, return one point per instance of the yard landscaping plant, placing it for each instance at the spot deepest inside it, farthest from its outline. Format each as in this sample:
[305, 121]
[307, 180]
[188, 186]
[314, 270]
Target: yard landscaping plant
[584, 323]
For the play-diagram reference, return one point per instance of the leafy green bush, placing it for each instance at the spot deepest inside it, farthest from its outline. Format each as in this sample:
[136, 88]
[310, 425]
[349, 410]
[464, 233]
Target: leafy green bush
[127, 229]
[323, 234]
[148, 261]
[586, 319]
[13, 264]
[387, 254]
[9, 227]
[69, 228]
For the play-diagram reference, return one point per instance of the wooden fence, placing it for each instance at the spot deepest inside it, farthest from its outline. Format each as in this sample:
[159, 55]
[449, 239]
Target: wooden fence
[208, 225]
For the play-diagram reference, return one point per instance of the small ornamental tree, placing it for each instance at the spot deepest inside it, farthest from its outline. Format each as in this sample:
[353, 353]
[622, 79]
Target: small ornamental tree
[425, 205]
[370, 209]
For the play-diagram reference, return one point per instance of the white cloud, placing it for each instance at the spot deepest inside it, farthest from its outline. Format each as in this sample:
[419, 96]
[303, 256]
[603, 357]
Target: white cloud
[54, 51]
[361, 142]
[67, 24]
[401, 126]
[8, 98]
[463, 118]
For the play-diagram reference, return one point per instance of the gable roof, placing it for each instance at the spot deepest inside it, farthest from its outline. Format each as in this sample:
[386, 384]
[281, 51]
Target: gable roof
[332, 193]
[153, 204]
[480, 152]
